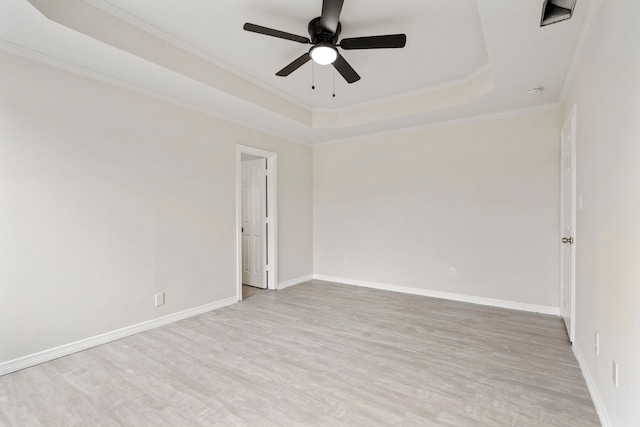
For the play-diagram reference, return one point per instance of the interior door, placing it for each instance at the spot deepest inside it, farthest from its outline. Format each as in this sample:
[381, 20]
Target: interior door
[567, 223]
[254, 220]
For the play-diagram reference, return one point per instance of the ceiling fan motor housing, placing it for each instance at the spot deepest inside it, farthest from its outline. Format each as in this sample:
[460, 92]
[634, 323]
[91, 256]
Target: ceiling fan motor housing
[319, 34]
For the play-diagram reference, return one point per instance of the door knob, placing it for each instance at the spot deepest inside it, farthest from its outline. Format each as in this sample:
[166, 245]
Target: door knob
[568, 240]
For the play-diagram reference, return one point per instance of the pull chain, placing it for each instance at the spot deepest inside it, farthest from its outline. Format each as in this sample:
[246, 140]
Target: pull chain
[313, 75]
[334, 82]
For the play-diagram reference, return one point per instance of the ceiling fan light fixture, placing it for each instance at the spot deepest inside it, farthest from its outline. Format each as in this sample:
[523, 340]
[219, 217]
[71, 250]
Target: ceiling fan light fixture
[323, 54]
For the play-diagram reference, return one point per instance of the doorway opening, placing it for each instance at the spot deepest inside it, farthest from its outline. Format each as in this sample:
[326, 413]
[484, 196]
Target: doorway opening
[256, 219]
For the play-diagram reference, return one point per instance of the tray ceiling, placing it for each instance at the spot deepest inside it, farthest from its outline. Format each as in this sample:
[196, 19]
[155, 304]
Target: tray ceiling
[463, 59]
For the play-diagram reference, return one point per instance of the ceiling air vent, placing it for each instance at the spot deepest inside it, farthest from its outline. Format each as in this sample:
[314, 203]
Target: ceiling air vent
[556, 10]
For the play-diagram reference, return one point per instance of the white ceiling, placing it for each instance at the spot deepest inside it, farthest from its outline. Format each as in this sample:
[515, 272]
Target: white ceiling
[464, 58]
[449, 32]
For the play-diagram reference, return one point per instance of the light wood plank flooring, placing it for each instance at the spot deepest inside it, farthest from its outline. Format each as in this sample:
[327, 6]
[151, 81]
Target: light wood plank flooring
[317, 354]
[249, 291]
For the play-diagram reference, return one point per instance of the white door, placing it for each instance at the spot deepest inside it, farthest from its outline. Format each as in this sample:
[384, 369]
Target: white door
[254, 221]
[567, 223]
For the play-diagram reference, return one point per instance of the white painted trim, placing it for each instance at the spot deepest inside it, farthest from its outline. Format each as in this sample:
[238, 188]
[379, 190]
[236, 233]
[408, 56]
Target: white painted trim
[407, 95]
[494, 116]
[84, 344]
[115, 81]
[272, 203]
[512, 305]
[296, 281]
[587, 27]
[181, 44]
[111, 80]
[593, 390]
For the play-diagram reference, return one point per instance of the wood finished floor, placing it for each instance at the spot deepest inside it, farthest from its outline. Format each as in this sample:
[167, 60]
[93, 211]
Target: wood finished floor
[317, 354]
[249, 291]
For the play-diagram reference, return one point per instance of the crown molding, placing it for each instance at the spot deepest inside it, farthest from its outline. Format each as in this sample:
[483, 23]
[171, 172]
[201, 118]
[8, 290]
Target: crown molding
[585, 33]
[410, 94]
[18, 50]
[432, 100]
[187, 47]
[37, 56]
[555, 106]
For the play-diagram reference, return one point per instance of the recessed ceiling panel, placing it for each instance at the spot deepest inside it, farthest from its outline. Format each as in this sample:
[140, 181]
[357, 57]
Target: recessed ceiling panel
[445, 43]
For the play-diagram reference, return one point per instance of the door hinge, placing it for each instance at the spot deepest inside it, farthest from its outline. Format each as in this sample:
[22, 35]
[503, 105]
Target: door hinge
[568, 240]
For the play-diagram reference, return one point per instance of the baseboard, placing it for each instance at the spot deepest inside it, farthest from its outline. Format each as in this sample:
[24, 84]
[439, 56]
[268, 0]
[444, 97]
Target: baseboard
[74, 347]
[445, 295]
[593, 390]
[295, 281]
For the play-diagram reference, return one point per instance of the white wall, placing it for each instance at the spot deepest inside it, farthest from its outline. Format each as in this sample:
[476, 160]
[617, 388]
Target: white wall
[107, 197]
[481, 197]
[607, 93]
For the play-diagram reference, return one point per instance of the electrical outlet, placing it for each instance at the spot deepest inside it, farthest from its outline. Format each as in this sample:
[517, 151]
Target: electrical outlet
[345, 260]
[615, 373]
[159, 299]
[596, 343]
[452, 271]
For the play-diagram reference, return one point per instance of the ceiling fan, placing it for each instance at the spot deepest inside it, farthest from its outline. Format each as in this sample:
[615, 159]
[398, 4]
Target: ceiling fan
[324, 31]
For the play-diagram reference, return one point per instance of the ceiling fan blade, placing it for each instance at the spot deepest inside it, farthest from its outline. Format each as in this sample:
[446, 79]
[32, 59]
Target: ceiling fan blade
[390, 41]
[331, 14]
[275, 33]
[303, 59]
[345, 70]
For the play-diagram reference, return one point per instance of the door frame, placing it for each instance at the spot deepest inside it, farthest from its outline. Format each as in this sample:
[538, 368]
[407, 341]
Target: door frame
[271, 268]
[572, 121]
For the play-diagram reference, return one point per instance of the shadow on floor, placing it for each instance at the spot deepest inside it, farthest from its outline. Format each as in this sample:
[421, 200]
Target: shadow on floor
[249, 291]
